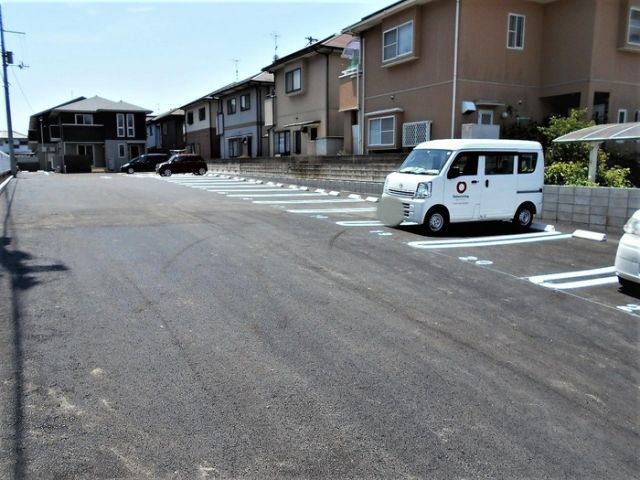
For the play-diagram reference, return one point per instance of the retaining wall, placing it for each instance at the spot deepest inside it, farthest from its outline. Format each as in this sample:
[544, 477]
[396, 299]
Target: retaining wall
[596, 208]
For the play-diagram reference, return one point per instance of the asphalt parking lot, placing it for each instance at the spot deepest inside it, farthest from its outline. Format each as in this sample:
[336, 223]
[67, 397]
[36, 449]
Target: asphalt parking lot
[213, 327]
[553, 259]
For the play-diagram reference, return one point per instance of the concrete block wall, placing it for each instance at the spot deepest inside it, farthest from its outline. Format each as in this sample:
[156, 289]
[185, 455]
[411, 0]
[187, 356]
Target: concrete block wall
[596, 208]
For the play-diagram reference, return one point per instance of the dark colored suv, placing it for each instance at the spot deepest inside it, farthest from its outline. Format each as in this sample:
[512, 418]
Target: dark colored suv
[183, 163]
[144, 163]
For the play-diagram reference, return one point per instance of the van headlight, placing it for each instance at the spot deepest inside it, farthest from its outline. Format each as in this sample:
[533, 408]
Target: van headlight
[632, 226]
[385, 188]
[423, 190]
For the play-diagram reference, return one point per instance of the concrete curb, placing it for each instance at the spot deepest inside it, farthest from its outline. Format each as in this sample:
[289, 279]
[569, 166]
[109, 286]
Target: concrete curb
[587, 235]
[5, 183]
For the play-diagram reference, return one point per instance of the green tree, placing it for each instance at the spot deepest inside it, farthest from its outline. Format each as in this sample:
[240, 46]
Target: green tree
[558, 126]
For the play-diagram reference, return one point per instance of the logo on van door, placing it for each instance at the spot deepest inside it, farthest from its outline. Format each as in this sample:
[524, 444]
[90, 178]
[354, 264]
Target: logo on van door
[461, 187]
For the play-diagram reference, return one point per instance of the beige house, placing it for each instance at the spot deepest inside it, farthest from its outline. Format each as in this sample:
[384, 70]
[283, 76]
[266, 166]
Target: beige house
[470, 68]
[302, 115]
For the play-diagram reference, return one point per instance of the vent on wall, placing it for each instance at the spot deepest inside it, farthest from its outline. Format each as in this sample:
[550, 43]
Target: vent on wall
[414, 133]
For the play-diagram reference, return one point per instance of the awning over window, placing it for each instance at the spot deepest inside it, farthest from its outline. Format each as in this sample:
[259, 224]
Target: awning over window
[302, 124]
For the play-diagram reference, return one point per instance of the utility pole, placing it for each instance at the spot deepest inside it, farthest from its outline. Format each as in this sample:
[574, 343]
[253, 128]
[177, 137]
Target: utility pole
[7, 59]
[12, 156]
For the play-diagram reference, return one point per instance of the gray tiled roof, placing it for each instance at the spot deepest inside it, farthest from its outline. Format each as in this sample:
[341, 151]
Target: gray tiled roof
[96, 104]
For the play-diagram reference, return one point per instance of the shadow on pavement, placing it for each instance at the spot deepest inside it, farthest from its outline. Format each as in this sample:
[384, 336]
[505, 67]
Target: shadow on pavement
[13, 264]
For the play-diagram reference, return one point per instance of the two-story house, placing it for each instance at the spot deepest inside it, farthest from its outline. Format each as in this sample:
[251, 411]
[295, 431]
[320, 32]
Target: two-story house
[303, 116]
[105, 133]
[460, 68]
[200, 127]
[240, 118]
[165, 132]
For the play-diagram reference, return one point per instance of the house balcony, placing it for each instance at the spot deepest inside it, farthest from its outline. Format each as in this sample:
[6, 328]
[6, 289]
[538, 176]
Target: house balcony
[82, 133]
[476, 130]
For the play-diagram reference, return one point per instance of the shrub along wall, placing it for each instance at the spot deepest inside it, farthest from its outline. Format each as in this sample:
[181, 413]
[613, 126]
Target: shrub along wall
[597, 208]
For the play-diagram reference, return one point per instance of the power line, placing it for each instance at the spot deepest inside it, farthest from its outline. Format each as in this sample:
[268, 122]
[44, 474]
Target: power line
[22, 91]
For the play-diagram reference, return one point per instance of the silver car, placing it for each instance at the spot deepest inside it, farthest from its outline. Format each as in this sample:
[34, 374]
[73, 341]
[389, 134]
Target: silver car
[628, 256]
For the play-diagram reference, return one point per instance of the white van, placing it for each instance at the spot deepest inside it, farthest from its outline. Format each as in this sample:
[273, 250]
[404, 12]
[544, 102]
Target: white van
[463, 180]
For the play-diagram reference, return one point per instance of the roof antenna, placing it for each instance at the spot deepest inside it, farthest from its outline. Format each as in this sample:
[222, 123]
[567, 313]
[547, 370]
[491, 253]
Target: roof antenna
[275, 37]
[235, 61]
[311, 40]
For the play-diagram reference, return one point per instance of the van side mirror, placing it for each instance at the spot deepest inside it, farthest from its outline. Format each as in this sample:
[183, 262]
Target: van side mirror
[454, 172]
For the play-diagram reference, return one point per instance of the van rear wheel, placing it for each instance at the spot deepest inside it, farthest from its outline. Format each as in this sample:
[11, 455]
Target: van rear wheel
[523, 217]
[436, 221]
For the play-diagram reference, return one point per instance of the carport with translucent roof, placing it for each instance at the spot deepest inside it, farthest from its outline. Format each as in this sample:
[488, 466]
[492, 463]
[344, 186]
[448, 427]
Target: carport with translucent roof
[598, 134]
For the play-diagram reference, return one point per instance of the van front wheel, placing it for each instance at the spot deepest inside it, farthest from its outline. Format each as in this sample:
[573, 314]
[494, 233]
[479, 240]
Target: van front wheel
[523, 217]
[435, 221]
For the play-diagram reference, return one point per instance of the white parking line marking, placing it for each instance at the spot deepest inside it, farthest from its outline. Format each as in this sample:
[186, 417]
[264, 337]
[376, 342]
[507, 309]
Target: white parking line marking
[629, 308]
[332, 210]
[576, 274]
[360, 223]
[593, 277]
[274, 202]
[491, 241]
[241, 190]
[580, 284]
[291, 194]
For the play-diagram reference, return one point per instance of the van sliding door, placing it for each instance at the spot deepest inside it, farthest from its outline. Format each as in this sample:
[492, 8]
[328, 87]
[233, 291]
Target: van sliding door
[498, 185]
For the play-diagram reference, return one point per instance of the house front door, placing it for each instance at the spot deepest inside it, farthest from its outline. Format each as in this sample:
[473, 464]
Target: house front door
[134, 151]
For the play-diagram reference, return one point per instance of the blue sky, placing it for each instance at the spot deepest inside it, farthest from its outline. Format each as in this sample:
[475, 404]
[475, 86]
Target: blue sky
[155, 54]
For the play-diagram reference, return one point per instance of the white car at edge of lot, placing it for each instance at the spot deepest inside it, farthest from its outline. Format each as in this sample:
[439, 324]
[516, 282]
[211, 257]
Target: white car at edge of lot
[628, 255]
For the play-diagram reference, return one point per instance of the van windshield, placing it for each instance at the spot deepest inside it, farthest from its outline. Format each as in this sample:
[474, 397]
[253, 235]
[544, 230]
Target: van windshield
[425, 162]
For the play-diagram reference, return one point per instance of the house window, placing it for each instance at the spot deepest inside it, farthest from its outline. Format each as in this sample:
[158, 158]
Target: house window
[485, 117]
[415, 132]
[231, 106]
[84, 119]
[313, 133]
[622, 115]
[245, 102]
[515, 31]
[397, 42]
[202, 114]
[131, 128]
[382, 131]
[636, 117]
[150, 131]
[633, 35]
[122, 150]
[282, 143]
[293, 80]
[190, 117]
[120, 124]
[85, 151]
[54, 132]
